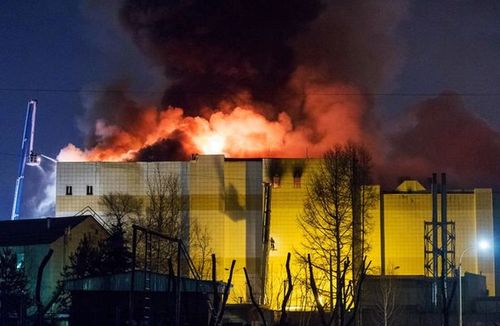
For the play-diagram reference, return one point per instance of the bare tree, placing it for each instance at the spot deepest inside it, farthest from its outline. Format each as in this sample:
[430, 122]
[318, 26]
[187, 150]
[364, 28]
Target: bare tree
[164, 208]
[386, 305]
[166, 213]
[121, 208]
[164, 204]
[334, 223]
[200, 249]
[350, 298]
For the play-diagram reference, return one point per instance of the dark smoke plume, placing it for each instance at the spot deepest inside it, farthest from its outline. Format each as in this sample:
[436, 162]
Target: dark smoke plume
[354, 42]
[447, 137]
[213, 50]
[277, 55]
[170, 149]
[113, 106]
[271, 49]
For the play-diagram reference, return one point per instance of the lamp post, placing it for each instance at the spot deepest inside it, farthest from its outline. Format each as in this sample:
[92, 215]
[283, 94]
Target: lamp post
[483, 245]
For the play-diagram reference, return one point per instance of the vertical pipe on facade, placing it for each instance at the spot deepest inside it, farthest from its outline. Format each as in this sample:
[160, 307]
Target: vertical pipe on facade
[435, 249]
[382, 233]
[265, 237]
[444, 223]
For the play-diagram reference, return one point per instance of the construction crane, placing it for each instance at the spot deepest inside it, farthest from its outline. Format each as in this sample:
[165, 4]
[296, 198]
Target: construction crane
[28, 157]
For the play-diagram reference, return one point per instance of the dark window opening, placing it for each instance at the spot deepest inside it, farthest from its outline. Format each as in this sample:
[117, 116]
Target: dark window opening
[90, 190]
[69, 190]
[276, 181]
[296, 182]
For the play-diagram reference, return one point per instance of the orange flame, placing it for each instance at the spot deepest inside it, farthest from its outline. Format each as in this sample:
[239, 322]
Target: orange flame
[333, 115]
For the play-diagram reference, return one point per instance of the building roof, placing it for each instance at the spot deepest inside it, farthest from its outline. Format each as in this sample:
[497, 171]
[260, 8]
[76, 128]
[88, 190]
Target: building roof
[159, 283]
[36, 231]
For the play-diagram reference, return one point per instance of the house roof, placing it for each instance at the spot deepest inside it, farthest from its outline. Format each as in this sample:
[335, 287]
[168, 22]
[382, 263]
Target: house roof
[36, 231]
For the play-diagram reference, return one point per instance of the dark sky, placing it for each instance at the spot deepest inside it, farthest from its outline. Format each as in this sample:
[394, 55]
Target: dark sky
[56, 51]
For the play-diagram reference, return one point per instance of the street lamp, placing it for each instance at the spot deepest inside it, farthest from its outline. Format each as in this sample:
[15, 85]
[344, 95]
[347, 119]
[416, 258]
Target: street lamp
[483, 245]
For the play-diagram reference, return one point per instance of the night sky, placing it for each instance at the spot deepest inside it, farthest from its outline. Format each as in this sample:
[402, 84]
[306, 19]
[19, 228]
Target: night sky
[62, 52]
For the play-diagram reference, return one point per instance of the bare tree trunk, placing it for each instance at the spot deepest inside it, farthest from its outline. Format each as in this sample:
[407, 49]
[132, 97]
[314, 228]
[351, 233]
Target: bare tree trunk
[215, 307]
[355, 303]
[283, 317]
[226, 295]
[254, 302]
[314, 289]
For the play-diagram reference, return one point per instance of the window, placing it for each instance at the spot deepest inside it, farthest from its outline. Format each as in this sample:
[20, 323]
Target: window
[296, 182]
[276, 181]
[90, 190]
[20, 261]
[69, 190]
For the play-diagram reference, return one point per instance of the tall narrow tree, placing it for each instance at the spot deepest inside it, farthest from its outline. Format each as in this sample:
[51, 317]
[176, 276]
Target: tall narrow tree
[334, 222]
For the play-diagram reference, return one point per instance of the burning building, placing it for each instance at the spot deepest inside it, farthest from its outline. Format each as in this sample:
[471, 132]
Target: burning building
[277, 79]
[225, 196]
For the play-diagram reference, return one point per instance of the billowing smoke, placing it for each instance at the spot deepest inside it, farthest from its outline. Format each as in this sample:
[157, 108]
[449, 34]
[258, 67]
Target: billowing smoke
[39, 191]
[445, 136]
[248, 78]
[214, 50]
[279, 78]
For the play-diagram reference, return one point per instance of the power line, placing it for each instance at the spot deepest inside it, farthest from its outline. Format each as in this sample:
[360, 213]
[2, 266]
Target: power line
[138, 91]
[70, 90]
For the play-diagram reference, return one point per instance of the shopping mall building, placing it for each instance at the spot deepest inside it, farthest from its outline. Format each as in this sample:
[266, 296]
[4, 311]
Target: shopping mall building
[226, 196]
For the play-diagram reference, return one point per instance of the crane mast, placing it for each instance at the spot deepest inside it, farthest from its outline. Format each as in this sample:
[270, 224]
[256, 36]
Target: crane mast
[28, 157]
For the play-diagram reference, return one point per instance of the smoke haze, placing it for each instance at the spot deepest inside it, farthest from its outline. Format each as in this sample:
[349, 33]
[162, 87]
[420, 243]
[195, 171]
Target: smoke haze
[445, 136]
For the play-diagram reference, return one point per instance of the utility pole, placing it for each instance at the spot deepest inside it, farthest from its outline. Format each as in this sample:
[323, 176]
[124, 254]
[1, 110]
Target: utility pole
[439, 243]
[444, 250]
[435, 250]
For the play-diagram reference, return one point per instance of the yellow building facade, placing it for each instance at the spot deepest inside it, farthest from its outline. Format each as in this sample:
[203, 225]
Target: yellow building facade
[225, 197]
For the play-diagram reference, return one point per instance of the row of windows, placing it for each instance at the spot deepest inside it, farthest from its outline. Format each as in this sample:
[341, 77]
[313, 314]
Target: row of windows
[69, 190]
[277, 182]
